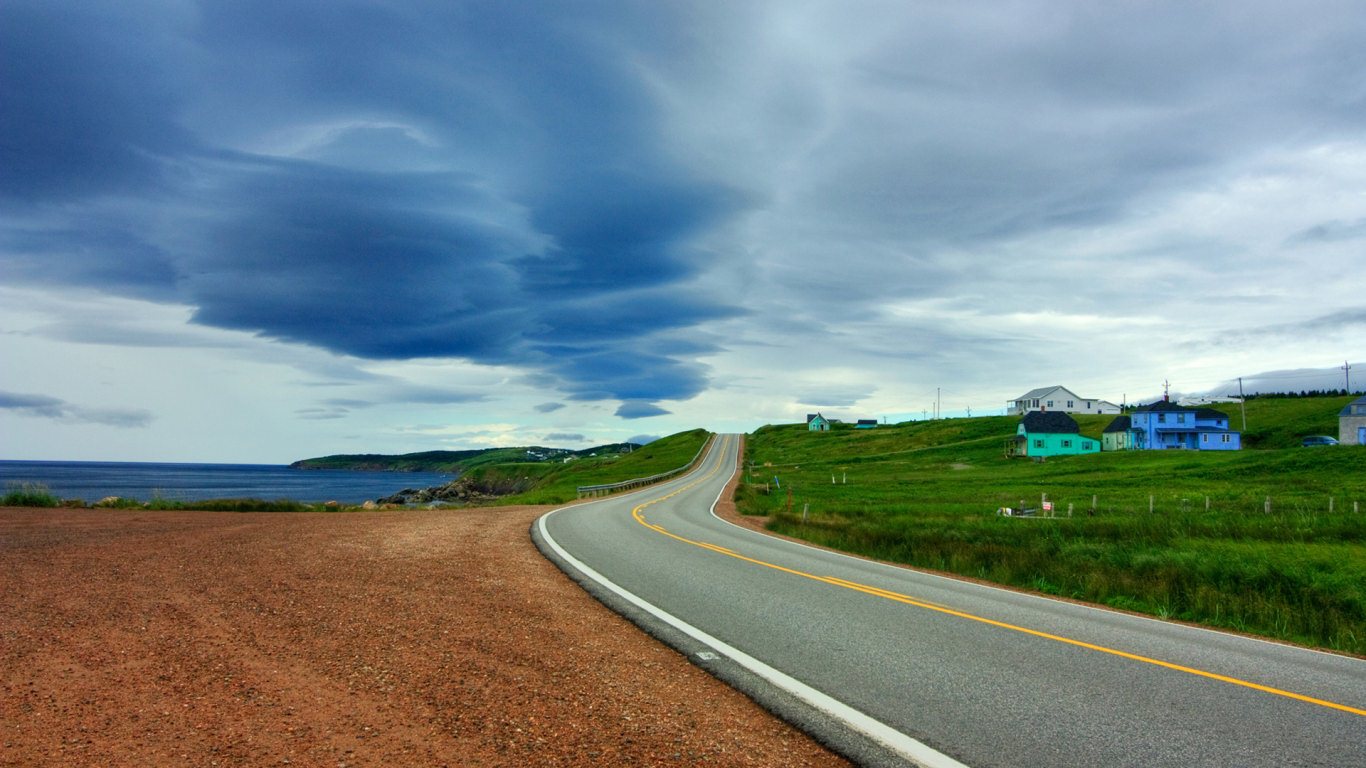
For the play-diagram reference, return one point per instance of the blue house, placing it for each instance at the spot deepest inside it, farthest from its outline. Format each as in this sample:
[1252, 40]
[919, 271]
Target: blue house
[1165, 424]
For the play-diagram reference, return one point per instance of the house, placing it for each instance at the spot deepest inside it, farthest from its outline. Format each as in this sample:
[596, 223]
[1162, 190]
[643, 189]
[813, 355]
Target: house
[1352, 423]
[1058, 398]
[866, 424]
[1117, 435]
[1049, 433]
[817, 423]
[1164, 424]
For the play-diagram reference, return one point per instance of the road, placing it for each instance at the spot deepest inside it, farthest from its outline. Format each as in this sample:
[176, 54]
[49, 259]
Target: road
[893, 666]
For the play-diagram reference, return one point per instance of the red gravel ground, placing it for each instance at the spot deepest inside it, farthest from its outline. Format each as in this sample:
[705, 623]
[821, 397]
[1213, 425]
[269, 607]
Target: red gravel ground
[133, 638]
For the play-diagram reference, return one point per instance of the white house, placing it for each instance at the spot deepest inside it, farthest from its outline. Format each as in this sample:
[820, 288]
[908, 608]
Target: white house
[1058, 398]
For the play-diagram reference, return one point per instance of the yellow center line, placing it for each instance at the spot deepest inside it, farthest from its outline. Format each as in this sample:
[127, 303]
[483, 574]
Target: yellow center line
[638, 514]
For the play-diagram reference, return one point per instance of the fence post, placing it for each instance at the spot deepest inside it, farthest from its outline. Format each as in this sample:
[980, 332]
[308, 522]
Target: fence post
[1267, 506]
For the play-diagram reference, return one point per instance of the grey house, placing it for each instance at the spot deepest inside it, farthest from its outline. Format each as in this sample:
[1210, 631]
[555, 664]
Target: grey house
[1352, 423]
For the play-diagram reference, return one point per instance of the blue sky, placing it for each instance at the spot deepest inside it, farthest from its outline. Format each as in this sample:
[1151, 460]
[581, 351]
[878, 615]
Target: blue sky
[257, 231]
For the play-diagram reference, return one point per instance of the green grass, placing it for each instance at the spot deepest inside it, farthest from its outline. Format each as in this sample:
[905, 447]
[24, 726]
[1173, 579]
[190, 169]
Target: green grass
[926, 494]
[556, 483]
[28, 495]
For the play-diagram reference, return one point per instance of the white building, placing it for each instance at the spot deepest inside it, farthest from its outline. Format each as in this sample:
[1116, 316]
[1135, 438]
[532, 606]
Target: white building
[1058, 398]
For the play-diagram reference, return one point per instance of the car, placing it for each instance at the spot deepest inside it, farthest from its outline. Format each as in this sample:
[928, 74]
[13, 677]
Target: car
[1317, 440]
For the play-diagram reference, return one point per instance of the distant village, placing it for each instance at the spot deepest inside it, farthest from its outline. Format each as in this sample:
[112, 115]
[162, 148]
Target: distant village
[1047, 428]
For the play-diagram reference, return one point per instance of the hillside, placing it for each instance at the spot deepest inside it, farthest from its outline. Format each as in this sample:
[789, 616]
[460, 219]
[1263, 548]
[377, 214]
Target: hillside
[454, 462]
[554, 481]
[927, 494]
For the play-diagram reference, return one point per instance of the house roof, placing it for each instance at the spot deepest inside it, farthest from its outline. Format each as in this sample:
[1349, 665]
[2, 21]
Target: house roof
[1041, 391]
[1210, 413]
[1053, 422]
[1360, 401]
[1162, 405]
[1120, 424]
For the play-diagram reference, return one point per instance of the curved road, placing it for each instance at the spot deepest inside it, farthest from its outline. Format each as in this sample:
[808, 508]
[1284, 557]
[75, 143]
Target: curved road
[893, 666]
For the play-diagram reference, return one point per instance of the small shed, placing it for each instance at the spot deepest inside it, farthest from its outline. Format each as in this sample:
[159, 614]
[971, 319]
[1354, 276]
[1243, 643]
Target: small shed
[817, 423]
[1118, 435]
[1352, 423]
[1049, 433]
[866, 424]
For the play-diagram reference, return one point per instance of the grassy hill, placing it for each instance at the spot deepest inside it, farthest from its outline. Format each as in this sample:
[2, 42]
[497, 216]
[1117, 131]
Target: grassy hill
[453, 462]
[557, 482]
[926, 494]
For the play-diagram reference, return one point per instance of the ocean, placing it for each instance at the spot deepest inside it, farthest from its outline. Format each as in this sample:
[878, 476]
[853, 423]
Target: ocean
[144, 481]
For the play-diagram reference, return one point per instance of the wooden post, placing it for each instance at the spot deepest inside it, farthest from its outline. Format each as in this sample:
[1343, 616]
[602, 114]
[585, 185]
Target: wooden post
[1150, 503]
[1267, 506]
[1206, 503]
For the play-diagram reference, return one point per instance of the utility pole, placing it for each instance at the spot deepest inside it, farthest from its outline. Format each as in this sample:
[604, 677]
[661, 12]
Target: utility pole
[1242, 402]
[1347, 375]
[937, 412]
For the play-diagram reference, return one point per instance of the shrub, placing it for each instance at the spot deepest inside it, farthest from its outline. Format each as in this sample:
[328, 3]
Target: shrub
[28, 495]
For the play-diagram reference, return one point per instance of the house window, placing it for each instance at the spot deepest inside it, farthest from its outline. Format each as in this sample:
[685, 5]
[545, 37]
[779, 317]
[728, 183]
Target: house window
[1204, 438]
[1038, 443]
[1087, 445]
[1067, 443]
[1069, 403]
[1228, 438]
[1050, 403]
[1162, 418]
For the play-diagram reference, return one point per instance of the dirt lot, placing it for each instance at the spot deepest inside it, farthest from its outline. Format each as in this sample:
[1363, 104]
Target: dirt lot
[381, 638]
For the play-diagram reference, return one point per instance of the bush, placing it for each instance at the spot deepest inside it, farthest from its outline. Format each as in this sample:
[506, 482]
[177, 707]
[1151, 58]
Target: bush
[28, 495]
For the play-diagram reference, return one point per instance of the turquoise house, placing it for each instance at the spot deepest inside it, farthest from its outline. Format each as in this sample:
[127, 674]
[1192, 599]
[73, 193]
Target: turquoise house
[1049, 433]
[817, 423]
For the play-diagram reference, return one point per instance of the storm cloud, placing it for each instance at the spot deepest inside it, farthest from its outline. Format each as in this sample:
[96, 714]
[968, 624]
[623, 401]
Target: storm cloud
[474, 182]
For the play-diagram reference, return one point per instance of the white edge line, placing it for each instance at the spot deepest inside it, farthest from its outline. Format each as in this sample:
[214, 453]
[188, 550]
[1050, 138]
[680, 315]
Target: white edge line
[876, 730]
[1049, 598]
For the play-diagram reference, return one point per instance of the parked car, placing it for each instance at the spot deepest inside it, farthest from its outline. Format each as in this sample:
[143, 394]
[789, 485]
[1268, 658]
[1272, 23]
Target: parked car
[1315, 440]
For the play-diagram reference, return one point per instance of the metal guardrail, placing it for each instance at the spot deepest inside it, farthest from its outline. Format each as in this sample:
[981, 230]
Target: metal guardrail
[589, 491]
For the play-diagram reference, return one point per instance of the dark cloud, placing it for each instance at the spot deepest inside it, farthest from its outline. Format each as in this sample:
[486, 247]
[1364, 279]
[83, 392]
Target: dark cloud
[565, 437]
[46, 407]
[549, 407]
[483, 182]
[637, 409]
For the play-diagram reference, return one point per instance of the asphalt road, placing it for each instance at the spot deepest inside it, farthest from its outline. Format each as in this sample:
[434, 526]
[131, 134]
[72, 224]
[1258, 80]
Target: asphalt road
[894, 666]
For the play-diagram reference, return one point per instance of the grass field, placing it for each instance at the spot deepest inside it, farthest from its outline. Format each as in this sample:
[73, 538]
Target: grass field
[927, 494]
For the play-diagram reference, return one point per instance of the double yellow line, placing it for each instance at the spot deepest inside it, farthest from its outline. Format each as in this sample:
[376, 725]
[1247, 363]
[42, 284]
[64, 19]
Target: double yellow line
[638, 513]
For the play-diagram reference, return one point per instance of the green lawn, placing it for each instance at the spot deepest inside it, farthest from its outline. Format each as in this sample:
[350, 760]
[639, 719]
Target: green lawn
[927, 494]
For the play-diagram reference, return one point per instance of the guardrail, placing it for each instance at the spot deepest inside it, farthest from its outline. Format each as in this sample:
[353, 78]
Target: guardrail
[590, 491]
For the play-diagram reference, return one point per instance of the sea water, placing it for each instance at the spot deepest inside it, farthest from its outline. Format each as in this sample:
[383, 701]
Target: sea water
[145, 481]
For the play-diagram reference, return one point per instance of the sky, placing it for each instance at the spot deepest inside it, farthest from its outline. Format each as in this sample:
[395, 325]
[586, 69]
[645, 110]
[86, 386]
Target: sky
[260, 231]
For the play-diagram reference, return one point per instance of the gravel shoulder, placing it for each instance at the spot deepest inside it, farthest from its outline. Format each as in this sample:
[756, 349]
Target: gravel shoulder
[441, 637]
